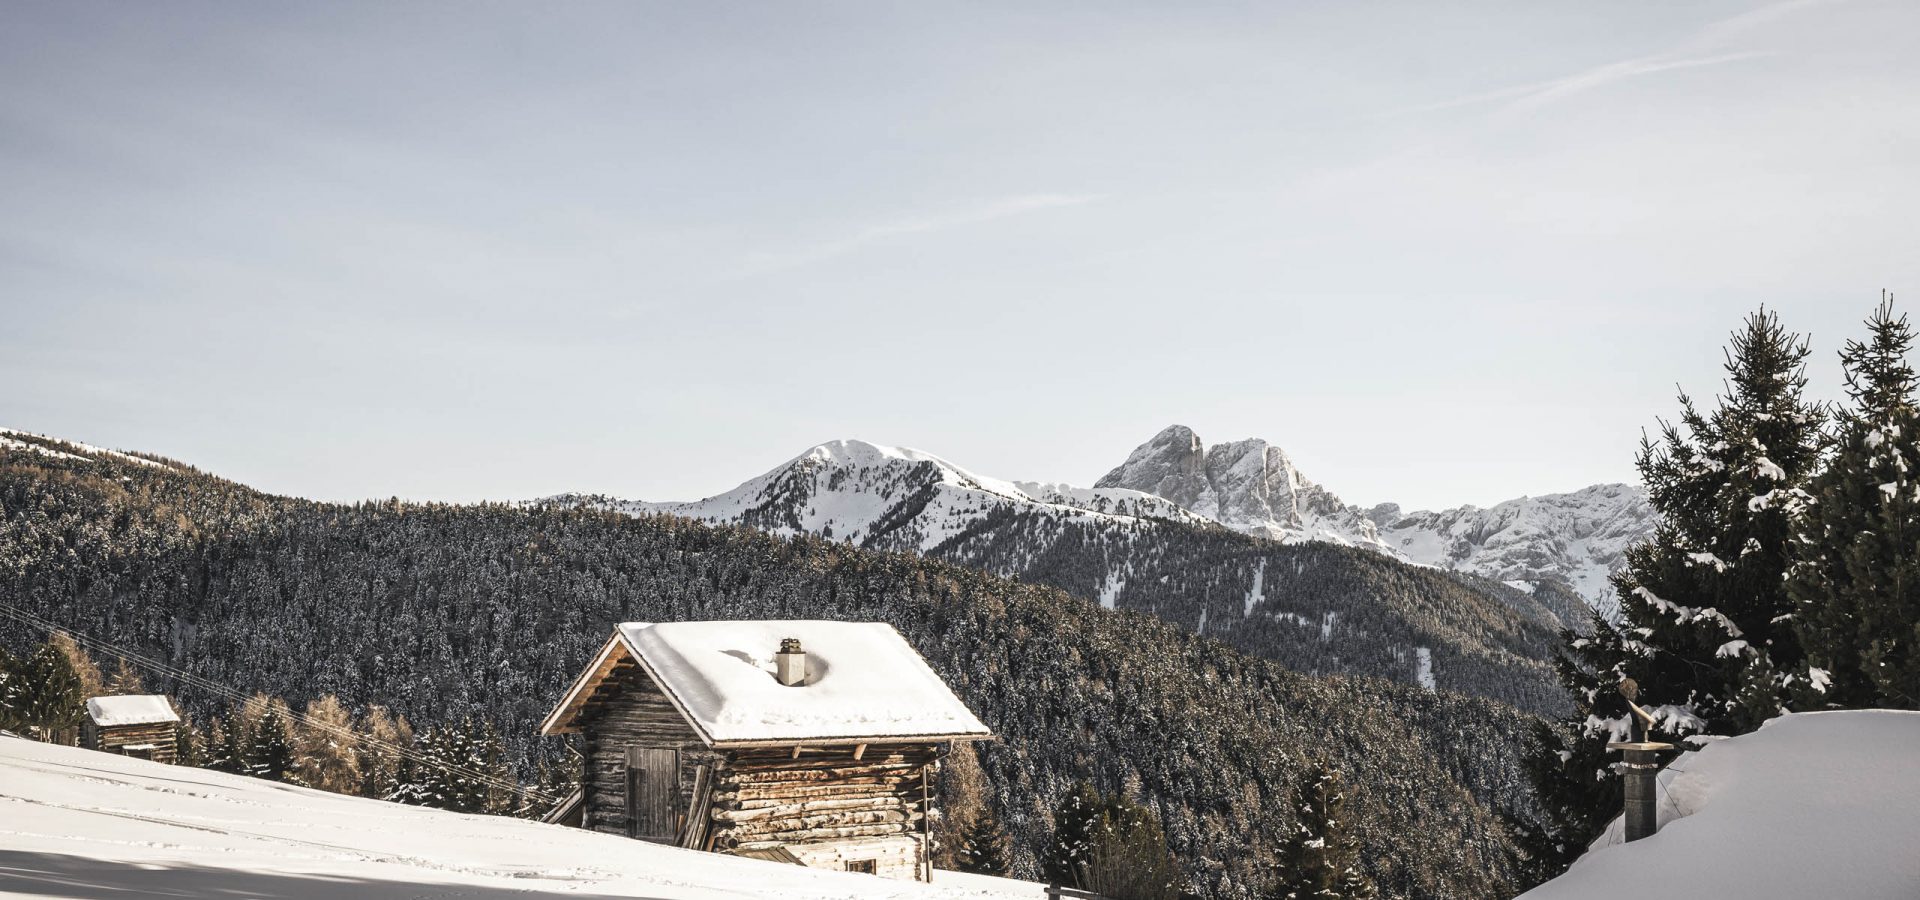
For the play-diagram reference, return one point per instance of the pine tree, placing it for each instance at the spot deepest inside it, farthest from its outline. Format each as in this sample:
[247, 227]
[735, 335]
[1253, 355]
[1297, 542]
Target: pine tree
[381, 761]
[460, 768]
[224, 751]
[1856, 582]
[13, 693]
[1076, 819]
[984, 846]
[271, 753]
[1704, 613]
[51, 699]
[190, 745]
[1109, 846]
[1318, 861]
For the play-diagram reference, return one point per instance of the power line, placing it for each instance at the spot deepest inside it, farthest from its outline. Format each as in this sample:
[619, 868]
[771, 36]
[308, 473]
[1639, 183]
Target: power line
[206, 684]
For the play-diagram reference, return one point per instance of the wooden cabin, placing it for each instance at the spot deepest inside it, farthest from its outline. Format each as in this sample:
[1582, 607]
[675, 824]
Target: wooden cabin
[805, 742]
[131, 725]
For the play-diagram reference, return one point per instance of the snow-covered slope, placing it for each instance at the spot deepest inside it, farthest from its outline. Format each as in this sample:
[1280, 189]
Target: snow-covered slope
[1811, 805]
[894, 498]
[75, 823]
[1580, 537]
[59, 449]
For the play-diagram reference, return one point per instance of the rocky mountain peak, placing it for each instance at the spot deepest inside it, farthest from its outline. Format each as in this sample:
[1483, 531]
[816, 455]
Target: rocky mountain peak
[1248, 485]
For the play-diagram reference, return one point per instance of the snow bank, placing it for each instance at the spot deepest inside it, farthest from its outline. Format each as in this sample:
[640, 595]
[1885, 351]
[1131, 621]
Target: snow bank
[863, 680]
[75, 823]
[1811, 805]
[130, 709]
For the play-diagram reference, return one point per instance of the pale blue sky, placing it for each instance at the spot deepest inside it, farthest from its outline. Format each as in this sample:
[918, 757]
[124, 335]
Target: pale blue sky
[461, 251]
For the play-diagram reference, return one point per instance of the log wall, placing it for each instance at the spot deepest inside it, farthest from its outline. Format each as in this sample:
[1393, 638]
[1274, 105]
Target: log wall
[111, 739]
[768, 797]
[628, 710]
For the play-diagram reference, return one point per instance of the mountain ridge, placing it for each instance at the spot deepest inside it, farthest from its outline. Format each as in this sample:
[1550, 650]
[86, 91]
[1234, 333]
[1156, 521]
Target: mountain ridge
[906, 499]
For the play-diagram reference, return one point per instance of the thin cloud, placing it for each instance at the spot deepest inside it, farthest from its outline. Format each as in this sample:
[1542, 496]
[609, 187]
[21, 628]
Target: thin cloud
[1691, 54]
[1601, 76]
[1003, 208]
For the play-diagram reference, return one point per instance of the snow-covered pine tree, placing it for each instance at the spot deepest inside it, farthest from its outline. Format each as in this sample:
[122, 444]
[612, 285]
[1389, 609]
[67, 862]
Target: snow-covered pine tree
[446, 776]
[1076, 819]
[380, 760]
[984, 846]
[225, 748]
[1318, 860]
[1110, 846]
[52, 699]
[12, 692]
[190, 744]
[1705, 627]
[271, 754]
[1856, 581]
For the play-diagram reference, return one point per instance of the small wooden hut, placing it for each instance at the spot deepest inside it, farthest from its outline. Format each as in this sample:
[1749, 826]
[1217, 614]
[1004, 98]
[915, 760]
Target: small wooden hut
[131, 725]
[805, 742]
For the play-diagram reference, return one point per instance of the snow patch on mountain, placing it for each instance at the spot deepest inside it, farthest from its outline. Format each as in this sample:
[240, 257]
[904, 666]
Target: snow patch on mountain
[13, 439]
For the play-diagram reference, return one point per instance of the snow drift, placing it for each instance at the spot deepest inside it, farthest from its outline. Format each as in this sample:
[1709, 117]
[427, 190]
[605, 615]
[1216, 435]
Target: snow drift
[1811, 805]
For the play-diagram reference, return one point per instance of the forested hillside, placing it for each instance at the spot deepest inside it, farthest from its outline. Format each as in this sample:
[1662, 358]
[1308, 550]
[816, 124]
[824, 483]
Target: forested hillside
[445, 611]
[1317, 608]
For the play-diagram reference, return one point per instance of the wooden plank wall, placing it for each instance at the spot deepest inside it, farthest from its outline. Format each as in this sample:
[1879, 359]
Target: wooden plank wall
[628, 710]
[111, 739]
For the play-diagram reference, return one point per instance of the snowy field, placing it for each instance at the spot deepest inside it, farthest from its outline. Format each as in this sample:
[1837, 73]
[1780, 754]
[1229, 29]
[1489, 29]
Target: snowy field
[75, 823]
[1813, 805]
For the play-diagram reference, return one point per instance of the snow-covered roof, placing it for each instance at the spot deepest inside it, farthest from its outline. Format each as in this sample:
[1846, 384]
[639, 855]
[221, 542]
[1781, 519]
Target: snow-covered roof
[1822, 804]
[130, 709]
[864, 683]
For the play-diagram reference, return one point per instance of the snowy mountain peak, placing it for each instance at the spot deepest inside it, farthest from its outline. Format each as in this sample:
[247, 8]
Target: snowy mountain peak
[1248, 485]
[1251, 486]
[895, 498]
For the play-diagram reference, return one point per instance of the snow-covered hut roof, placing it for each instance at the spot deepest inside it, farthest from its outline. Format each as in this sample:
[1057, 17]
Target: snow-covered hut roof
[130, 709]
[864, 683]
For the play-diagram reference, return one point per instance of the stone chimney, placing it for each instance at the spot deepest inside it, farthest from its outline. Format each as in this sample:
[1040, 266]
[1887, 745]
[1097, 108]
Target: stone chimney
[790, 664]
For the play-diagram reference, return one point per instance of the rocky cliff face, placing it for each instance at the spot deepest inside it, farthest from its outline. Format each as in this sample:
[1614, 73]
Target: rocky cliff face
[1249, 486]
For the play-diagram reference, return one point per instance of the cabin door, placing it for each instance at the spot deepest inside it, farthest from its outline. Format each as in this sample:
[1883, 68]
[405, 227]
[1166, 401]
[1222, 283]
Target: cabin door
[653, 793]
